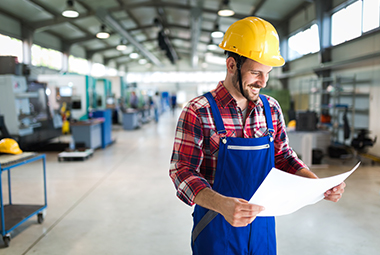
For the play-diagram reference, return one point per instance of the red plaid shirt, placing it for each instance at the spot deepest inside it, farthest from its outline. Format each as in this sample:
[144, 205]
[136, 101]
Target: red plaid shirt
[196, 142]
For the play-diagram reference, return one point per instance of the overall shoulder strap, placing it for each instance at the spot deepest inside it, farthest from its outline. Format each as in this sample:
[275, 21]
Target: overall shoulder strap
[268, 117]
[268, 113]
[216, 114]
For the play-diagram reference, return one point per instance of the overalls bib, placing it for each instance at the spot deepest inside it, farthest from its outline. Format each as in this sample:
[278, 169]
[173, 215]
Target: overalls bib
[243, 163]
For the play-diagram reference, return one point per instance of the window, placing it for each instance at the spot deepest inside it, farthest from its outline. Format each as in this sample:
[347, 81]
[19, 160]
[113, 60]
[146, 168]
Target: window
[371, 15]
[357, 18]
[11, 47]
[303, 43]
[46, 57]
[98, 70]
[346, 23]
[78, 65]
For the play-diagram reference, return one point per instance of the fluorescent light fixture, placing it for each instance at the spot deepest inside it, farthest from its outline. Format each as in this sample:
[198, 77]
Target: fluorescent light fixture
[226, 10]
[211, 45]
[121, 46]
[217, 33]
[134, 55]
[70, 11]
[143, 61]
[102, 34]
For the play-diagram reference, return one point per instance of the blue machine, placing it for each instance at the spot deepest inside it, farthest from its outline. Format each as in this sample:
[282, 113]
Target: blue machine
[106, 125]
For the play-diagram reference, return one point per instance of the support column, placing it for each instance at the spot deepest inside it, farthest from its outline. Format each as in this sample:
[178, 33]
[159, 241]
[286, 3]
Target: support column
[324, 28]
[27, 42]
[65, 57]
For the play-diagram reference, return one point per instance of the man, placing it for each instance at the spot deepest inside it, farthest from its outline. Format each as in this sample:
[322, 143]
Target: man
[227, 141]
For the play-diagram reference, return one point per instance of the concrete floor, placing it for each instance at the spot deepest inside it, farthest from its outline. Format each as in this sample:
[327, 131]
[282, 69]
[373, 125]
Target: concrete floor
[121, 201]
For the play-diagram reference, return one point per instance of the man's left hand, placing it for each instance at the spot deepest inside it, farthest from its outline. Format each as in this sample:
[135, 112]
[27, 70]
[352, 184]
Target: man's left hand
[335, 193]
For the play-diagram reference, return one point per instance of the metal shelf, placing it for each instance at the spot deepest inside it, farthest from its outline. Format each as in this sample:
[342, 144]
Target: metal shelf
[13, 215]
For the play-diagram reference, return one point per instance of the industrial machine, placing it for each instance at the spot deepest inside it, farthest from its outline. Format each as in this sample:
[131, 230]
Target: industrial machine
[81, 93]
[26, 111]
[72, 89]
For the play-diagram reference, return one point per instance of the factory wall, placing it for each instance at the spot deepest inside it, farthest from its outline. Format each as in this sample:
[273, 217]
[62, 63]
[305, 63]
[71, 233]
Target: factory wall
[349, 59]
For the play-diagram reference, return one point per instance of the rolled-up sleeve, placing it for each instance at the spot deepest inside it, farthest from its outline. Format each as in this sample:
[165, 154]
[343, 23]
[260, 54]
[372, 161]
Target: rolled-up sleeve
[285, 158]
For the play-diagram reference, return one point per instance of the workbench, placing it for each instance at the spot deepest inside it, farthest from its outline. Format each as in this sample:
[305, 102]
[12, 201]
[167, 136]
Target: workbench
[303, 142]
[13, 215]
[88, 132]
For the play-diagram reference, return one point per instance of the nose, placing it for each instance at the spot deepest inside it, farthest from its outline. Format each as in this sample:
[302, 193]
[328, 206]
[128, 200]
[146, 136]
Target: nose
[262, 80]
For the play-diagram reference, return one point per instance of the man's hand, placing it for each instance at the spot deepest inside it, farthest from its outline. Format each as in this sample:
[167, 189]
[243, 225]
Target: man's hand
[239, 213]
[335, 193]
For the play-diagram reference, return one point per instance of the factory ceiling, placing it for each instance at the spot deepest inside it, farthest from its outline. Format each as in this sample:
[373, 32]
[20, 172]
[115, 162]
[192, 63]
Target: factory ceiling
[164, 32]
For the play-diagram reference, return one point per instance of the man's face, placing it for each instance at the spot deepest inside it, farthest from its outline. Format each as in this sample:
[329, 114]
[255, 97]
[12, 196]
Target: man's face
[254, 77]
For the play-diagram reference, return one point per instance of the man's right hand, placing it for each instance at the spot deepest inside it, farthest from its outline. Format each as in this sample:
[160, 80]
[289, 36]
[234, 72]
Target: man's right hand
[238, 212]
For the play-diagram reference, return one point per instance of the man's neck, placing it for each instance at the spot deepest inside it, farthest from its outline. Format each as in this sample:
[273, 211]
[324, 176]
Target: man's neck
[241, 101]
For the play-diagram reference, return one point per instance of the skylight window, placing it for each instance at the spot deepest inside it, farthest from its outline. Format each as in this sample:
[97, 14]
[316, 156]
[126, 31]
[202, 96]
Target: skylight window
[46, 57]
[346, 23]
[304, 42]
[371, 15]
[11, 47]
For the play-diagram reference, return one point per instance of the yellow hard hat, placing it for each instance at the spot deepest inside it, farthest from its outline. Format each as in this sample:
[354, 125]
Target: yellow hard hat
[8, 145]
[292, 124]
[254, 38]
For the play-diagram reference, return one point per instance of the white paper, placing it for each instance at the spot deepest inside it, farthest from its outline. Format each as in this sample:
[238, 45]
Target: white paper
[282, 193]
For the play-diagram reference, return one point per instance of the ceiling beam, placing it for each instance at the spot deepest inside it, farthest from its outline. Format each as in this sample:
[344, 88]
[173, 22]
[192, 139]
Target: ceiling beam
[105, 16]
[257, 7]
[170, 5]
[46, 24]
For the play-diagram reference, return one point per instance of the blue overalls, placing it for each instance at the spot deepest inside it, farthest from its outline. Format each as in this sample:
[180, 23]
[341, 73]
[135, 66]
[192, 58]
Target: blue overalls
[243, 163]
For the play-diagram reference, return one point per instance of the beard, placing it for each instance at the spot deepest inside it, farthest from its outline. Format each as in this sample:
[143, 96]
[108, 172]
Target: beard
[250, 96]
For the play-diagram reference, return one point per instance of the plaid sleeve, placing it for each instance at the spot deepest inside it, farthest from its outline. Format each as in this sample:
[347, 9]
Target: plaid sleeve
[285, 158]
[187, 156]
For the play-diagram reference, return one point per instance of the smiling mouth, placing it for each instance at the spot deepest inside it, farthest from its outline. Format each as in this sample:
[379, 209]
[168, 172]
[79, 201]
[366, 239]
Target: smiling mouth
[254, 89]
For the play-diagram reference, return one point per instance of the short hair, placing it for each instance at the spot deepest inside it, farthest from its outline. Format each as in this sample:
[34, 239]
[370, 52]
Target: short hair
[235, 56]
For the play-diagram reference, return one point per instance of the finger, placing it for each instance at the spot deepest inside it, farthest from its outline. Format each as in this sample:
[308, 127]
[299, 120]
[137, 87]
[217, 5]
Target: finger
[251, 210]
[246, 206]
[337, 189]
[334, 197]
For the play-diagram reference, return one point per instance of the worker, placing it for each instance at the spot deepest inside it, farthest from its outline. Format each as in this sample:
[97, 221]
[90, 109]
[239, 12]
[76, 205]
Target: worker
[228, 140]
[173, 102]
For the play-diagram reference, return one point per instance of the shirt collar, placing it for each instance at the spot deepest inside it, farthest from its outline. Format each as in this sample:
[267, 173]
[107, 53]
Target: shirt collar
[224, 97]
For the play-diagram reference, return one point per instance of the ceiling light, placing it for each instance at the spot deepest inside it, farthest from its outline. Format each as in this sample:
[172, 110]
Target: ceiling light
[70, 11]
[143, 61]
[226, 10]
[217, 33]
[134, 55]
[211, 45]
[121, 46]
[102, 34]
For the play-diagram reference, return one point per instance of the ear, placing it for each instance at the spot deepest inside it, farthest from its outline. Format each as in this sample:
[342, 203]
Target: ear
[231, 65]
